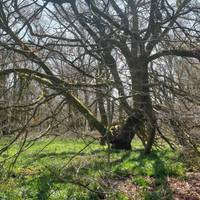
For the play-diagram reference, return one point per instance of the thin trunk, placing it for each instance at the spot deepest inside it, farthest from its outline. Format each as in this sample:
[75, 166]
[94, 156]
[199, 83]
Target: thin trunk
[110, 110]
[86, 124]
[3, 113]
[103, 115]
[102, 111]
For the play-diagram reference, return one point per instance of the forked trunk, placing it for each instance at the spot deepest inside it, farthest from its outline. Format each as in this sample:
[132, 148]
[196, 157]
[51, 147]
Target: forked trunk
[127, 132]
[143, 117]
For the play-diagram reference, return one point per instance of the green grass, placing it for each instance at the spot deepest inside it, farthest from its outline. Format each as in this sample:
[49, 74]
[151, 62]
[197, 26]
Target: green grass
[59, 172]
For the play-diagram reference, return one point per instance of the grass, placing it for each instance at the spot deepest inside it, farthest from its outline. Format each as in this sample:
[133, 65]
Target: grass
[59, 172]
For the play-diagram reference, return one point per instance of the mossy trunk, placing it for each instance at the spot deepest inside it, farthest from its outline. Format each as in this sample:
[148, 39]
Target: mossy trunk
[128, 131]
[86, 113]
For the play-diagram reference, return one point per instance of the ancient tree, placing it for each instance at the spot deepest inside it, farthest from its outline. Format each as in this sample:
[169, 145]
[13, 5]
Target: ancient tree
[123, 37]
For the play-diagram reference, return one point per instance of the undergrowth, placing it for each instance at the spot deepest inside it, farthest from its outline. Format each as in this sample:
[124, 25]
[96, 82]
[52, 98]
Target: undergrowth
[59, 172]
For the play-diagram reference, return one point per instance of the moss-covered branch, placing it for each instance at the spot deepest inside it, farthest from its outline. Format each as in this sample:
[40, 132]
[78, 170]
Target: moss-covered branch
[61, 87]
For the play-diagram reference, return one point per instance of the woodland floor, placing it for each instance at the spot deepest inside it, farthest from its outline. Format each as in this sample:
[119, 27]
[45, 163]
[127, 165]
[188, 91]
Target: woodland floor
[177, 189]
[59, 169]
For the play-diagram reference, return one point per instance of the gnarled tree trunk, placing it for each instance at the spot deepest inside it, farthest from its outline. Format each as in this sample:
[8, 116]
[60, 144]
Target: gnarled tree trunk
[142, 117]
[128, 131]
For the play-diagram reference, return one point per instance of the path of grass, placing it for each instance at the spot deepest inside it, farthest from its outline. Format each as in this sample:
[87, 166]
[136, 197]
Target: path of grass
[48, 174]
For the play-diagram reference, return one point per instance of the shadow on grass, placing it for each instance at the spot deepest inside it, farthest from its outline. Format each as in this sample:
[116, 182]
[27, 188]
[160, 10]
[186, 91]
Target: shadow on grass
[160, 188]
[58, 155]
[135, 162]
[145, 168]
[160, 172]
[66, 154]
[44, 185]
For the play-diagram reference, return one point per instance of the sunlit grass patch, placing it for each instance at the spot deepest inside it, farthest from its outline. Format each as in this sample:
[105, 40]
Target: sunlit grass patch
[66, 169]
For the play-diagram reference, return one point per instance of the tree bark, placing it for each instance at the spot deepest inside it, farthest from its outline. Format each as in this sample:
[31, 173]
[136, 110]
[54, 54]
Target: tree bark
[142, 115]
[127, 132]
